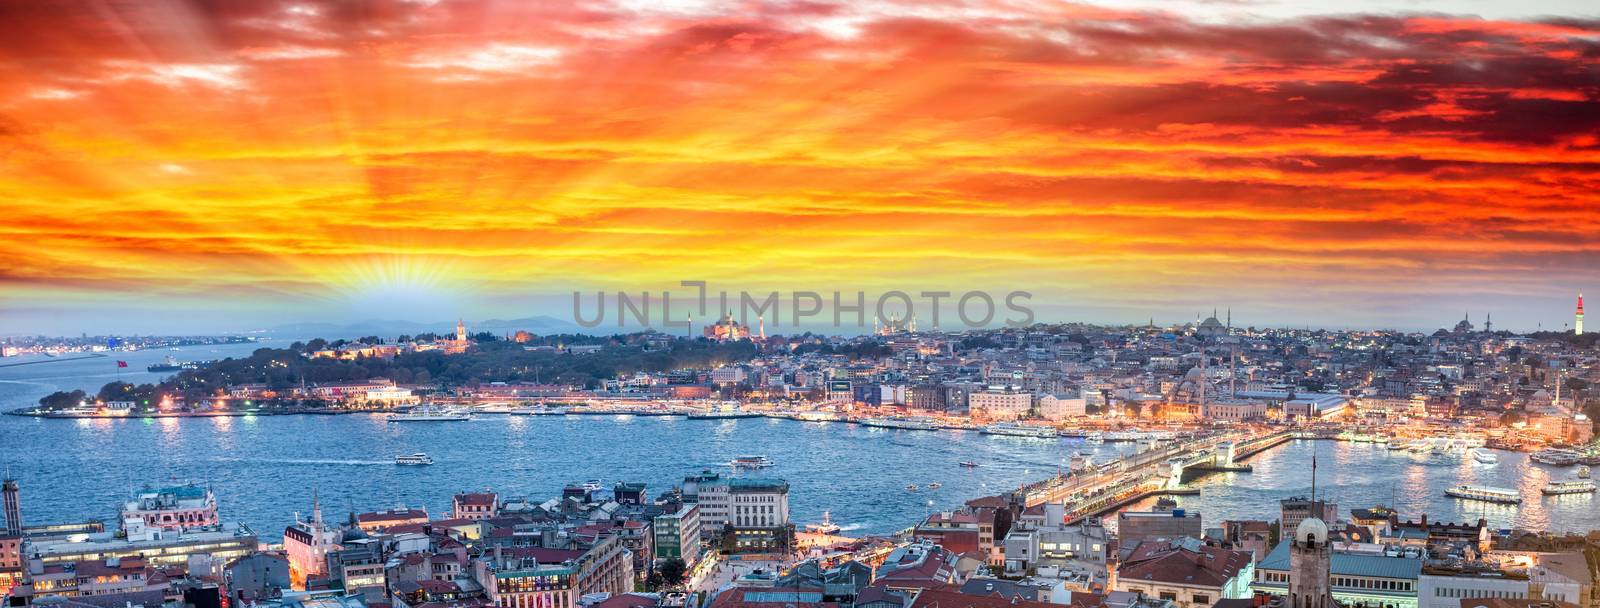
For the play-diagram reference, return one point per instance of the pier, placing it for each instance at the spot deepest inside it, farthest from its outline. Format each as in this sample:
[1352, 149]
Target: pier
[1160, 471]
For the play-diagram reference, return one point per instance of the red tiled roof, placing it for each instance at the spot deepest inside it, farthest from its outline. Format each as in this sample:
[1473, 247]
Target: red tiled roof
[626, 600]
[1161, 562]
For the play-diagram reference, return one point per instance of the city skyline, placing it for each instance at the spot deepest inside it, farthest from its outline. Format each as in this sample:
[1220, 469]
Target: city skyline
[175, 168]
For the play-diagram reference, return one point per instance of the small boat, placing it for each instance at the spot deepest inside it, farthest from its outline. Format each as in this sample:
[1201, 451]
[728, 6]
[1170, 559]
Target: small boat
[1581, 486]
[827, 526]
[1397, 444]
[417, 459]
[969, 464]
[592, 485]
[1484, 456]
[911, 487]
[1583, 472]
[1485, 494]
[934, 486]
[751, 462]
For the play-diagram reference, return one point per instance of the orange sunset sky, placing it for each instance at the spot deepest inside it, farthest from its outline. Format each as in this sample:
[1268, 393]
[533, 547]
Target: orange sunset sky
[228, 165]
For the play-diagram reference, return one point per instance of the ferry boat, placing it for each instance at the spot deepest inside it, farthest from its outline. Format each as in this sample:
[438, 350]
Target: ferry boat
[817, 417]
[1017, 429]
[1556, 457]
[723, 411]
[541, 410]
[1395, 443]
[915, 423]
[1122, 436]
[1419, 445]
[1095, 438]
[751, 462]
[495, 408]
[969, 464]
[1581, 486]
[428, 414]
[1484, 456]
[417, 459]
[1484, 493]
[827, 527]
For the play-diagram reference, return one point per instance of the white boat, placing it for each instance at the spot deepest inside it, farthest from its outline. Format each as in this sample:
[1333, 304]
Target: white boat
[1094, 438]
[723, 410]
[1484, 456]
[1123, 436]
[914, 423]
[1017, 429]
[751, 462]
[1581, 486]
[495, 408]
[592, 485]
[429, 414]
[911, 487]
[539, 410]
[827, 527]
[1485, 493]
[416, 459]
[934, 486]
[1396, 443]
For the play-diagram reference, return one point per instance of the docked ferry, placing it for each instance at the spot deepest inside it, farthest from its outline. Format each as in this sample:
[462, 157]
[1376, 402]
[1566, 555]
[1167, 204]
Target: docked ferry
[722, 411]
[910, 424]
[1017, 429]
[1581, 486]
[1484, 456]
[1485, 493]
[1556, 457]
[429, 414]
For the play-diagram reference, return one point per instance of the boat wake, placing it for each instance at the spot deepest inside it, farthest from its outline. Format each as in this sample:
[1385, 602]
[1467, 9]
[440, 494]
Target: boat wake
[309, 461]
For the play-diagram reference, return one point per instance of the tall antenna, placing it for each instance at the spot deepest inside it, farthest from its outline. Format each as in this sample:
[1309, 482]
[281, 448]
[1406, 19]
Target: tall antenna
[1314, 475]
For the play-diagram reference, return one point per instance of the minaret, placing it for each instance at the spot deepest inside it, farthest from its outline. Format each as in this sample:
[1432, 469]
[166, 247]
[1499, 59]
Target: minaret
[13, 506]
[461, 330]
[761, 322]
[316, 509]
[1577, 324]
[1488, 323]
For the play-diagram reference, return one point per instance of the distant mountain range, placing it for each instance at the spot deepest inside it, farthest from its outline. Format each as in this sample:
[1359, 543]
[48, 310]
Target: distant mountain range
[389, 329]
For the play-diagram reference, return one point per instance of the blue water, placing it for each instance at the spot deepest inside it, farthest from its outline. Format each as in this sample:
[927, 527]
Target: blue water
[265, 468]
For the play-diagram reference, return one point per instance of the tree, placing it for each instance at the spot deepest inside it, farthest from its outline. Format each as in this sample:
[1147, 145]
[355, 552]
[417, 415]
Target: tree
[672, 571]
[61, 400]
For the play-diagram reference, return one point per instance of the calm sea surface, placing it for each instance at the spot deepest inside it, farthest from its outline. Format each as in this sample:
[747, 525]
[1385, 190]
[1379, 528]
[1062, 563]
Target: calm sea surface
[265, 468]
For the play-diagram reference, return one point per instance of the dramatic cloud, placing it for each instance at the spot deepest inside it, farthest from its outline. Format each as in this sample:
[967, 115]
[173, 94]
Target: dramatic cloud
[1121, 164]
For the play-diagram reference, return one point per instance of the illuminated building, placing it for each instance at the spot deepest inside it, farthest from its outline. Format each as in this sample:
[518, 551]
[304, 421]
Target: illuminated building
[308, 543]
[11, 539]
[726, 330]
[174, 508]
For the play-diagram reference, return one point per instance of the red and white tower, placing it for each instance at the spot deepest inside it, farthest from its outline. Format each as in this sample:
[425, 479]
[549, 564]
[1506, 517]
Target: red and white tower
[1577, 324]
